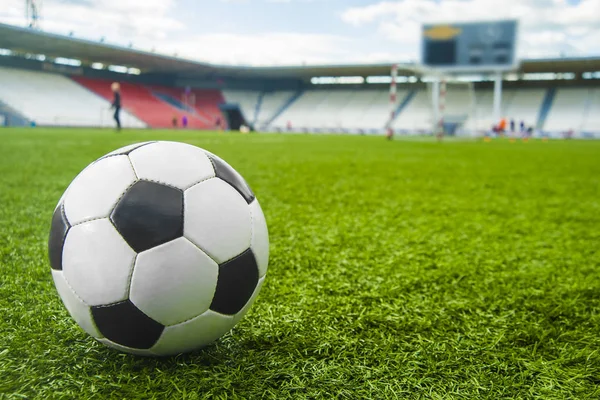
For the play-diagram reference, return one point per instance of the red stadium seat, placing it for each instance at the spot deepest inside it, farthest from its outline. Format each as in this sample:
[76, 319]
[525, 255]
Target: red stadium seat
[140, 101]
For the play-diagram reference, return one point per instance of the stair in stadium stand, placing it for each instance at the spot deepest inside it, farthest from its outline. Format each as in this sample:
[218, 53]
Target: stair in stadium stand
[139, 101]
[545, 108]
[407, 99]
[261, 96]
[12, 117]
[285, 106]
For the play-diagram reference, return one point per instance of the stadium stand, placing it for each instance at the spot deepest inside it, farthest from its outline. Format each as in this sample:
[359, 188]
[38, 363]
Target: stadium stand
[591, 121]
[417, 115]
[139, 101]
[207, 104]
[568, 110]
[245, 99]
[299, 113]
[11, 117]
[204, 107]
[523, 105]
[518, 104]
[271, 103]
[50, 80]
[52, 99]
[337, 110]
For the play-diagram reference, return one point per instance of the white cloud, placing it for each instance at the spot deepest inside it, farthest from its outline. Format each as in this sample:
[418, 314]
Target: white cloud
[110, 18]
[266, 49]
[547, 27]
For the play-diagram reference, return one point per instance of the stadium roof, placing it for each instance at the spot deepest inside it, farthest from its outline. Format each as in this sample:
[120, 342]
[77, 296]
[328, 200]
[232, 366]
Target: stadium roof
[25, 40]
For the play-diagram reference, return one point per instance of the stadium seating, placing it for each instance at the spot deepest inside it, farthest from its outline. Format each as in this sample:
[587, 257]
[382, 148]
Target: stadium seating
[591, 119]
[338, 110]
[204, 103]
[207, 104]
[518, 104]
[140, 101]
[299, 113]
[568, 110]
[246, 99]
[271, 103]
[52, 99]
[524, 105]
[417, 116]
[377, 114]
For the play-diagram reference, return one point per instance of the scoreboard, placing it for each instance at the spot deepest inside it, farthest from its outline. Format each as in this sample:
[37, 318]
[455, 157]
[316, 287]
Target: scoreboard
[477, 46]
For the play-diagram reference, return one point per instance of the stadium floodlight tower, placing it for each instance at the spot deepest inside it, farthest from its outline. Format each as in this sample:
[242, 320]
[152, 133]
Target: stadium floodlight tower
[33, 13]
[464, 53]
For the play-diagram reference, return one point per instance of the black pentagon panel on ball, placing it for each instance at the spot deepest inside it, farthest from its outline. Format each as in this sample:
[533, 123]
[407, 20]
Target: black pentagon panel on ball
[58, 233]
[236, 283]
[231, 176]
[149, 214]
[123, 323]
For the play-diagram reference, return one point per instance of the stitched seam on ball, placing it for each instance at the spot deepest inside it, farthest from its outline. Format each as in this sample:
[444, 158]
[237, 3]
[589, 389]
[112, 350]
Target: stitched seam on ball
[212, 162]
[129, 278]
[64, 215]
[74, 292]
[110, 155]
[201, 249]
[89, 220]
[238, 256]
[89, 308]
[112, 208]
[132, 167]
[199, 182]
[198, 316]
[125, 154]
[251, 230]
[112, 304]
[159, 182]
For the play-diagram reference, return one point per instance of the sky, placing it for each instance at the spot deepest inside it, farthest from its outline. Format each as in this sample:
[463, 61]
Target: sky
[291, 32]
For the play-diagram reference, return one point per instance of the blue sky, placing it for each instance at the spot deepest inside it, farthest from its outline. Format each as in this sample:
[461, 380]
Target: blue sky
[276, 32]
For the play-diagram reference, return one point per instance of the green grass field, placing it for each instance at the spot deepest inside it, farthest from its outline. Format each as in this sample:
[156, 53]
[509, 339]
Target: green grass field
[405, 269]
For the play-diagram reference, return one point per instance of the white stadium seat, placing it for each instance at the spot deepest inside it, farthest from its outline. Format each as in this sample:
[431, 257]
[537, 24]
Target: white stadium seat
[52, 99]
[417, 115]
[591, 119]
[568, 110]
[272, 102]
[337, 110]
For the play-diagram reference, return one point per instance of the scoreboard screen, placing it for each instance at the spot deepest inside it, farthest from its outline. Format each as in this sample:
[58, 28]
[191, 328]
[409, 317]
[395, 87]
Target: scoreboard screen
[475, 46]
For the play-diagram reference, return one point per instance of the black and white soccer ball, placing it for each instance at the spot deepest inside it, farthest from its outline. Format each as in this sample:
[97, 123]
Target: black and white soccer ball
[158, 248]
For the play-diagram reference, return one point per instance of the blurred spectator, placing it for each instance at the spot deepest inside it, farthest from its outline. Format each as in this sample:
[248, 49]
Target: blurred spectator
[116, 104]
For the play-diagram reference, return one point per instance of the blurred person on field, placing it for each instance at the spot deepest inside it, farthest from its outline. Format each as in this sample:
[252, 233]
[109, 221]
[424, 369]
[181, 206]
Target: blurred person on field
[116, 104]
[502, 127]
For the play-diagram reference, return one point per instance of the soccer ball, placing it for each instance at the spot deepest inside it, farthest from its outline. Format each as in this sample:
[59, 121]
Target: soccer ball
[158, 248]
